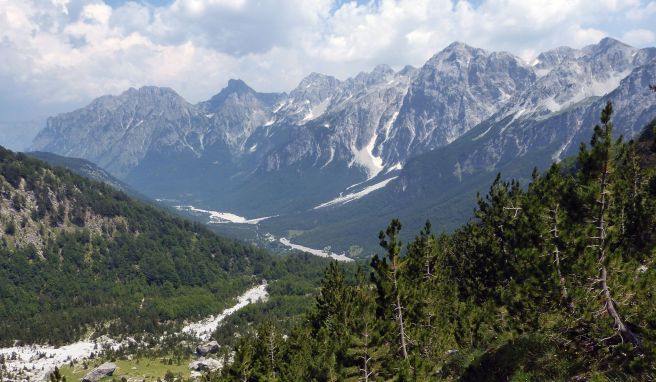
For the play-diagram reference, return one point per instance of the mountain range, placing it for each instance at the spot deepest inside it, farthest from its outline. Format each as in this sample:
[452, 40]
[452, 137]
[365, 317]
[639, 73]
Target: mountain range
[332, 159]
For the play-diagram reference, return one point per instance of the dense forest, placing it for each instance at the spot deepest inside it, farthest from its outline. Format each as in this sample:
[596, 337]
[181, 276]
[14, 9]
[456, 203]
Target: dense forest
[553, 280]
[78, 257]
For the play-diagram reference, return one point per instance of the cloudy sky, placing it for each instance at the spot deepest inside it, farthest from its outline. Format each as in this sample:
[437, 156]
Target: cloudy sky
[60, 54]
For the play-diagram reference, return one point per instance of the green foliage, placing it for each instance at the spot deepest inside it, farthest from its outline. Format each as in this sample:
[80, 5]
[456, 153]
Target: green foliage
[11, 228]
[56, 376]
[293, 282]
[553, 281]
[101, 261]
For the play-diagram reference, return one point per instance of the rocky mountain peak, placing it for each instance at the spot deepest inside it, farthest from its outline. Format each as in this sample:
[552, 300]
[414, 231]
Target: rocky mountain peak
[315, 83]
[455, 52]
[146, 96]
[458, 46]
[151, 91]
[610, 55]
[382, 70]
[238, 86]
[607, 43]
[235, 88]
[546, 61]
[455, 90]
[408, 71]
[381, 73]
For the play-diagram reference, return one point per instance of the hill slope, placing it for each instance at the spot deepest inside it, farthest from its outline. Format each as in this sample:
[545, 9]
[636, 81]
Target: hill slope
[77, 255]
[83, 168]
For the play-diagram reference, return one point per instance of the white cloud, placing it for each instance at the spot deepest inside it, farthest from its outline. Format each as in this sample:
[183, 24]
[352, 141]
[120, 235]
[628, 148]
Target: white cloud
[586, 36]
[69, 51]
[639, 37]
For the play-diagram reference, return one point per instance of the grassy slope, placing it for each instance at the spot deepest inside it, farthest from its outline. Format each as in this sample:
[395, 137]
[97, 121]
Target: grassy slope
[147, 369]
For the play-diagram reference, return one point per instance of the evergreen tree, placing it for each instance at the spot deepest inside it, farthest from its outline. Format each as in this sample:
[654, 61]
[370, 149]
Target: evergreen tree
[56, 376]
[598, 173]
[387, 278]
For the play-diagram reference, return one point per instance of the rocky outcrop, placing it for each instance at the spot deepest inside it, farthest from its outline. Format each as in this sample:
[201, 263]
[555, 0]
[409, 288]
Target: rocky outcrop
[207, 348]
[205, 364]
[104, 370]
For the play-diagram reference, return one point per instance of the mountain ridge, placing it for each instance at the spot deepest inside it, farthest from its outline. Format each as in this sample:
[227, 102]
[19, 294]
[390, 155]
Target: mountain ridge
[286, 153]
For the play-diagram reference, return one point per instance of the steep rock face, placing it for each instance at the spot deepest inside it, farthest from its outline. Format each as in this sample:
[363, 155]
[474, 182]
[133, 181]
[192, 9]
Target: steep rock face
[455, 90]
[308, 100]
[235, 112]
[558, 111]
[471, 162]
[115, 132]
[352, 126]
[569, 76]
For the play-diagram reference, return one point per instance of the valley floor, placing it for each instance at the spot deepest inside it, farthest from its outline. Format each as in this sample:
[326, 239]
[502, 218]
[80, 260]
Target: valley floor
[34, 362]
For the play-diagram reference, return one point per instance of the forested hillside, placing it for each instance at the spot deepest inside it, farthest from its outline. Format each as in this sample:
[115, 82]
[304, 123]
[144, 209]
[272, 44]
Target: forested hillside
[79, 257]
[86, 169]
[554, 281]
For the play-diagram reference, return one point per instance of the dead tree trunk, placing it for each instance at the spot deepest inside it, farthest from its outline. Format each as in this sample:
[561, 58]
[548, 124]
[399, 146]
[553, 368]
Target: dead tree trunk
[399, 308]
[366, 373]
[626, 334]
[272, 351]
[556, 252]
[428, 274]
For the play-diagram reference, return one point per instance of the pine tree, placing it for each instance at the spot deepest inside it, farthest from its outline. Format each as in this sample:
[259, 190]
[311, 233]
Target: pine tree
[388, 271]
[56, 376]
[548, 191]
[598, 169]
[630, 200]
[333, 302]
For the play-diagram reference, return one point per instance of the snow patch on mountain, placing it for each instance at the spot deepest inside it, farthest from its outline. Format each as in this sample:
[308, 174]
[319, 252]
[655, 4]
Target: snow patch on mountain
[218, 217]
[556, 157]
[591, 88]
[389, 123]
[356, 195]
[514, 118]
[602, 87]
[366, 158]
[330, 158]
[313, 251]
[395, 167]
[318, 110]
[481, 135]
